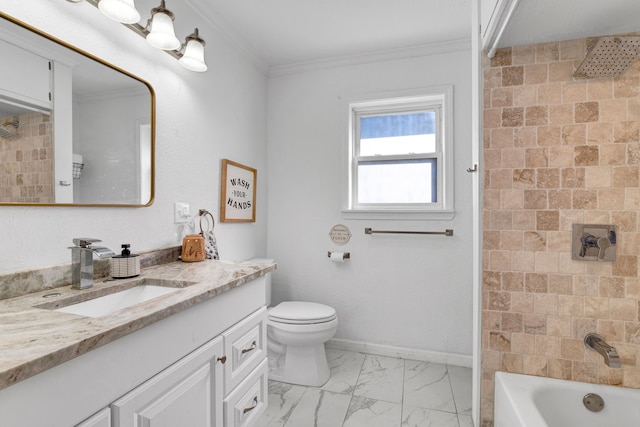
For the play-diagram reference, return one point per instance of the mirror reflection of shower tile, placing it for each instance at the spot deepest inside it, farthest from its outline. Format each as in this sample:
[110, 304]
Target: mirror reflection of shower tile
[594, 242]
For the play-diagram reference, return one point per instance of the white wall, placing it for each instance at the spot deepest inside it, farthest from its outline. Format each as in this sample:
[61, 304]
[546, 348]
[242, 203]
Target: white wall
[201, 118]
[408, 291]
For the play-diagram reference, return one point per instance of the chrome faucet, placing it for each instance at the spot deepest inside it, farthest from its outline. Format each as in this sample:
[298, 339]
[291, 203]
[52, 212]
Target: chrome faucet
[610, 354]
[82, 261]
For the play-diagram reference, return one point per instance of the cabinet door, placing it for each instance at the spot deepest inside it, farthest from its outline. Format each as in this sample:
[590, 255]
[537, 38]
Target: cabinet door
[245, 345]
[99, 419]
[28, 79]
[188, 393]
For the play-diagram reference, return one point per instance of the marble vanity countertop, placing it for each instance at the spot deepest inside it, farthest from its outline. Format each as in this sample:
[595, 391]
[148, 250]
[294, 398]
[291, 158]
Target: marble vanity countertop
[34, 339]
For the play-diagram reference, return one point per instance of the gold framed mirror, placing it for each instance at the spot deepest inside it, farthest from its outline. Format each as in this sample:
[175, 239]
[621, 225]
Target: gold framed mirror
[74, 129]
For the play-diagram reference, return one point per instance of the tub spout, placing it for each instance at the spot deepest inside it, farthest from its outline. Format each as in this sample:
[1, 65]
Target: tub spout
[610, 354]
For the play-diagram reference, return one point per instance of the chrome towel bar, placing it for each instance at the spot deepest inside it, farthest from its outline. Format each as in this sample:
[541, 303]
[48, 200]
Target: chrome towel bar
[447, 232]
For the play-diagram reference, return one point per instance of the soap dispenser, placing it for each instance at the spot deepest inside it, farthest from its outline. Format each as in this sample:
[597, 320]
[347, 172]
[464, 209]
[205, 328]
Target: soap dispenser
[126, 264]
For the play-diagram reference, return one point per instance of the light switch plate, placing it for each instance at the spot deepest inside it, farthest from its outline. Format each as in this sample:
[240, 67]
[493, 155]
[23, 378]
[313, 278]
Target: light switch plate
[181, 212]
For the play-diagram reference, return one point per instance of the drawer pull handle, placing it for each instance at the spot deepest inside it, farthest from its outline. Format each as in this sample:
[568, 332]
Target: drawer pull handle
[222, 359]
[251, 408]
[247, 350]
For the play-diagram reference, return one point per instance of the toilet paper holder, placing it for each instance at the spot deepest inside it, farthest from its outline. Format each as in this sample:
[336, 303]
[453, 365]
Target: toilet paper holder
[345, 255]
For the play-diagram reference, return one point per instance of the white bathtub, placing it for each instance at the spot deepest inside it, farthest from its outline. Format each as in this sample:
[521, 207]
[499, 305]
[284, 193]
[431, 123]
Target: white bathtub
[528, 401]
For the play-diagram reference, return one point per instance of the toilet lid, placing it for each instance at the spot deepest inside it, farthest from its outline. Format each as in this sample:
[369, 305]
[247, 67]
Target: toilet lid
[301, 312]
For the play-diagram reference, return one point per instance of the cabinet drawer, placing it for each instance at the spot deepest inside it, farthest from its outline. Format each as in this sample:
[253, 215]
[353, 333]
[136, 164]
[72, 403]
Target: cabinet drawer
[100, 419]
[244, 405]
[245, 346]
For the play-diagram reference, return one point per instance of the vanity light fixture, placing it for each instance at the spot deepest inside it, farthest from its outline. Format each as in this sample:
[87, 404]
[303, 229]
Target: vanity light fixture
[162, 35]
[123, 11]
[158, 31]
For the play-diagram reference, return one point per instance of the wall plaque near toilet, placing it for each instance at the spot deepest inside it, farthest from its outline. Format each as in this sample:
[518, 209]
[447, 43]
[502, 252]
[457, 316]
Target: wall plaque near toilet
[594, 242]
[238, 192]
[340, 234]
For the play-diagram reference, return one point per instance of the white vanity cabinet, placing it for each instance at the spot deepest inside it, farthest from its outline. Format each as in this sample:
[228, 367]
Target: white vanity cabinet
[222, 383]
[188, 393]
[100, 419]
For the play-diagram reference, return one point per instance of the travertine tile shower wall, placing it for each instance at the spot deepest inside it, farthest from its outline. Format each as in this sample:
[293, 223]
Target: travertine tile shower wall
[558, 151]
[27, 162]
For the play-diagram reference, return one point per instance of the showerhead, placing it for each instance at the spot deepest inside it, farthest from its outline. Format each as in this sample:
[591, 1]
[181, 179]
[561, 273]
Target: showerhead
[5, 132]
[609, 57]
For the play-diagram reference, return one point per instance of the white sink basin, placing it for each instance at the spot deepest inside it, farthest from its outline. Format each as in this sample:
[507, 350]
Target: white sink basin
[108, 304]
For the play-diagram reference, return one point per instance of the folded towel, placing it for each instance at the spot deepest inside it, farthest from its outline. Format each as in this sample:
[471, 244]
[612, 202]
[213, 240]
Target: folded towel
[211, 245]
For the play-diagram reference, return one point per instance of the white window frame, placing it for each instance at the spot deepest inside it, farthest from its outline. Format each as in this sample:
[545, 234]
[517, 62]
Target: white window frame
[439, 99]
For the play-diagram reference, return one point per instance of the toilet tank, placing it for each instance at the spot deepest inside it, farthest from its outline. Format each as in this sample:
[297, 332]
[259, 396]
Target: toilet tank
[267, 279]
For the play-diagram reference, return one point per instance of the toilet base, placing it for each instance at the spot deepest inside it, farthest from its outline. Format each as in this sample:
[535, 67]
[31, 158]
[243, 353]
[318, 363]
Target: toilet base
[304, 365]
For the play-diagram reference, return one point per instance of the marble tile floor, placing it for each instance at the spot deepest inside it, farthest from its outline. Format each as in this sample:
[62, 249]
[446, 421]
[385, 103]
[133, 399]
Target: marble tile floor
[375, 391]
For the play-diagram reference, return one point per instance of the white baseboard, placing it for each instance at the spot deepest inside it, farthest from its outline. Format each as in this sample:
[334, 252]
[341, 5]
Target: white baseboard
[402, 352]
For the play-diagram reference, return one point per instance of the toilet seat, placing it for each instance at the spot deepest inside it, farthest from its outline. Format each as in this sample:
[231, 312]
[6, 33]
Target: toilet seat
[301, 313]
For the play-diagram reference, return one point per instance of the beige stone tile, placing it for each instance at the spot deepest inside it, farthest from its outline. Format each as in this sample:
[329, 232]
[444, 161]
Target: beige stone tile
[625, 265]
[536, 282]
[534, 241]
[624, 309]
[612, 287]
[550, 93]
[561, 114]
[596, 307]
[626, 131]
[537, 115]
[561, 284]
[500, 178]
[547, 220]
[632, 198]
[490, 363]
[535, 324]
[512, 117]
[569, 266]
[511, 199]
[525, 137]
[571, 91]
[559, 199]
[582, 326]
[511, 240]
[512, 281]
[598, 89]
[631, 376]
[548, 346]
[501, 58]
[547, 52]
[538, 157]
[627, 221]
[612, 110]
[501, 138]
[632, 332]
[511, 362]
[559, 368]
[613, 154]
[535, 74]
[586, 155]
[500, 220]
[513, 158]
[570, 217]
[513, 75]
[535, 199]
[502, 97]
[611, 330]
[547, 178]
[521, 55]
[559, 326]
[572, 349]
[500, 260]
[545, 303]
[585, 199]
[598, 217]
[571, 305]
[547, 262]
[625, 176]
[521, 302]
[586, 285]
[523, 178]
[599, 177]
[492, 118]
[626, 87]
[491, 199]
[547, 136]
[499, 341]
[492, 77]
[585, 372]
[599, 133]
[535, 365]
[491, 280]
[523, 343]
[633, 154]
[511, 322]
[524, 220]
[573, 178]
[586, 112]
[524, 96]
[561, 156]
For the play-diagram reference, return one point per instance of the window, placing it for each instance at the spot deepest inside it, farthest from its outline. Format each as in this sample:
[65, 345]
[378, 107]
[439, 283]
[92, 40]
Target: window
[399, 154]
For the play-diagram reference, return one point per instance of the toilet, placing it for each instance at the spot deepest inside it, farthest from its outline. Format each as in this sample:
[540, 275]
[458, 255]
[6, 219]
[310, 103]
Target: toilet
[296, 333]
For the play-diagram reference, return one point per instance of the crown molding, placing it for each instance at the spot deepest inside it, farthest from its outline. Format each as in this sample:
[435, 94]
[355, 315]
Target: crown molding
[227, 32]
[369, 57]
